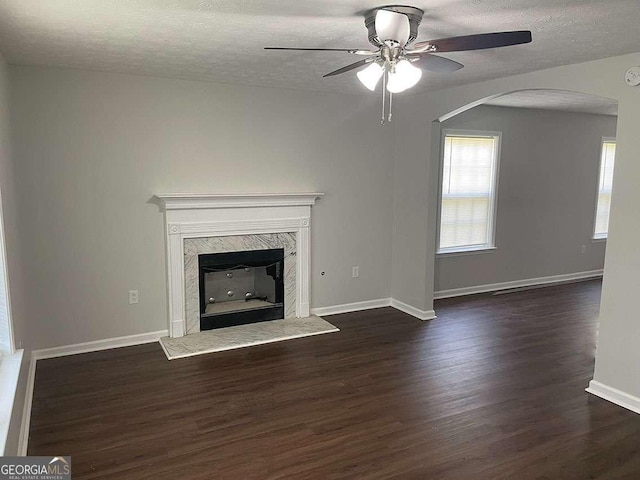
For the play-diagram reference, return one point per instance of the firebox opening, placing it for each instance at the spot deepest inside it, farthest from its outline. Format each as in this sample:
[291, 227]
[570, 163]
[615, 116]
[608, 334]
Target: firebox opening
[241, 287]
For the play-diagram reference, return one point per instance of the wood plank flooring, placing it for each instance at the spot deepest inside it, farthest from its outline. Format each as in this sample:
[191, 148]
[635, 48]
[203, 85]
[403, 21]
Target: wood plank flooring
[492, 389]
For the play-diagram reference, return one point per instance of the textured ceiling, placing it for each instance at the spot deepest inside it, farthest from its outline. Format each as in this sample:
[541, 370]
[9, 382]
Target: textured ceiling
[558, 100]
[222, 40]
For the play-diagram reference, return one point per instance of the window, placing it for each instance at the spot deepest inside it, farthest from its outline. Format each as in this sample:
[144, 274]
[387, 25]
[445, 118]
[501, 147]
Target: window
[468, 196]
[605, 182]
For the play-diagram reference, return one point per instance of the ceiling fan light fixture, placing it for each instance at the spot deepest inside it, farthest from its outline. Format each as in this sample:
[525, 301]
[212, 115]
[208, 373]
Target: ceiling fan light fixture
[403, 77]
[392, 30]
[370, 76]
[392, 27]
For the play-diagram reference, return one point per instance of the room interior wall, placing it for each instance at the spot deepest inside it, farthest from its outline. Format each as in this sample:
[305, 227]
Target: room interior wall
[94, 147]
[619, 332]
[548, 175]
[14, 251]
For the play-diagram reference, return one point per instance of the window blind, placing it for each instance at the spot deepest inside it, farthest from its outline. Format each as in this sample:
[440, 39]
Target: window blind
[468, 189]
[605, 184]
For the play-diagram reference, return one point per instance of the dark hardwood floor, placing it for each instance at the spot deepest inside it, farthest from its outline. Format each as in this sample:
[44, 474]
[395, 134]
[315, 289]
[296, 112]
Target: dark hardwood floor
[492, 389]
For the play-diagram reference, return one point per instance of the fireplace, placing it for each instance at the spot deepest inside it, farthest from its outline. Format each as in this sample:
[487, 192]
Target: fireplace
[212, 224]
[243, 287]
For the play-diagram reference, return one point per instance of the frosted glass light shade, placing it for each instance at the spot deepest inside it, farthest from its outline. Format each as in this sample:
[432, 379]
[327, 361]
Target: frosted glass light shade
[370, 76]
[404, 77]
[392, 26]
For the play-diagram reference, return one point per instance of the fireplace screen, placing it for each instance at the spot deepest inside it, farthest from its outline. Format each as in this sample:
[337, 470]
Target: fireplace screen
[241, 287]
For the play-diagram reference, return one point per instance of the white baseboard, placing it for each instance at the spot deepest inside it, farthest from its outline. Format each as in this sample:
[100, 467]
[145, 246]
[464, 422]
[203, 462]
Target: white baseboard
[23, 441]
[371, 304]
[413, 311]
[614, 395]
[351, 307]
[528, 282]
[98, 345]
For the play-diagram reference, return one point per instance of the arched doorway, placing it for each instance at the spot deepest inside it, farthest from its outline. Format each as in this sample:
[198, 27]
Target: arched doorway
[536, 211]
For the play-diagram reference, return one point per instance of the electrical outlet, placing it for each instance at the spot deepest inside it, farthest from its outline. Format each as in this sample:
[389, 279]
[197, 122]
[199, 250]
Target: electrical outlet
[133, 297]
[583, 249]
[355, 272]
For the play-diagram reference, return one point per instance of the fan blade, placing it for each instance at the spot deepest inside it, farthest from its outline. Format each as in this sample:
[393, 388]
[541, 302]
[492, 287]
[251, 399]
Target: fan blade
[392, 26]
[476, 42]
[434, 63]
[359, 63]
[348, 50]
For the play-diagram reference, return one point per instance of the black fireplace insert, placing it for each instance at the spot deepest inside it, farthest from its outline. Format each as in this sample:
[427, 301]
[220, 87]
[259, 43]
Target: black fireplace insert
[237, 288]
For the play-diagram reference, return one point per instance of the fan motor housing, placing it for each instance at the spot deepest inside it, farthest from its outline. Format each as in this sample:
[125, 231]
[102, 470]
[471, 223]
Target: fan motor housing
[414, 14]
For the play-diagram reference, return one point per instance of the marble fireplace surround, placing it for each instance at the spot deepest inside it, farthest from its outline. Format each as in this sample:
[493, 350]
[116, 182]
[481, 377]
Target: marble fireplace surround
[211, 223]
[236, 243]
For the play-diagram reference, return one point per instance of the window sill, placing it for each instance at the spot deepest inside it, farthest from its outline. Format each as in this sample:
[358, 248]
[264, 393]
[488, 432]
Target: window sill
[598, 239]
[9, 374]
[468, 251]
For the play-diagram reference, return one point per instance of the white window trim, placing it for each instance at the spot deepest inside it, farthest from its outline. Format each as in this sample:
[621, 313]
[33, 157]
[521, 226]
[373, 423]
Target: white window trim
[475, 249]
[11, 360]
[600, 237]
[456, 252]
[5, 274]
[9, 376]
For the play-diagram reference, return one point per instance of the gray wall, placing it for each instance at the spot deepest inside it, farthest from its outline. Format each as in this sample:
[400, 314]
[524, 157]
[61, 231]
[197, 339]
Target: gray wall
[92, 149]
[9, 208]
[13, 246]
[547, 190]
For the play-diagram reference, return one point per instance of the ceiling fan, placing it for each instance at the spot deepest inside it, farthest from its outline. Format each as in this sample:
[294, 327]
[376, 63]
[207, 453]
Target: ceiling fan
[397, 61]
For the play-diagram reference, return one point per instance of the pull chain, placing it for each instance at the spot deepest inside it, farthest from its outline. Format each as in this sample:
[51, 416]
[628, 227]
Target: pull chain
[386, 114]
[384, 90]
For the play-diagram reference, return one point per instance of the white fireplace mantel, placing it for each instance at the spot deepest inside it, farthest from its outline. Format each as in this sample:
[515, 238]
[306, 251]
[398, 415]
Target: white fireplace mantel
[185, 201]
[216, 215]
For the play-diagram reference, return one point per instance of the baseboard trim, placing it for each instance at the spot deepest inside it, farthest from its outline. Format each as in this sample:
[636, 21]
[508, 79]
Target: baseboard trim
[98, 345]
[371, 304]
[351, 307]
[23, 441]
[528, 282]
[614, 395]
[413, 311]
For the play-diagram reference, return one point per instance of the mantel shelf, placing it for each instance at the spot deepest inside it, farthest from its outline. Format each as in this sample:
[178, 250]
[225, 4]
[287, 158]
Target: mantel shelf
[187, 201]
